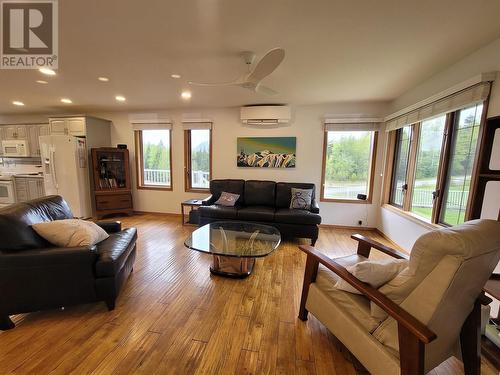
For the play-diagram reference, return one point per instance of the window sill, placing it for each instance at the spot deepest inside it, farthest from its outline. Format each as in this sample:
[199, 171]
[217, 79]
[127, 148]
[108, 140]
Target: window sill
[197, 190]
[355, 201]
[158, 188]
[412, 217]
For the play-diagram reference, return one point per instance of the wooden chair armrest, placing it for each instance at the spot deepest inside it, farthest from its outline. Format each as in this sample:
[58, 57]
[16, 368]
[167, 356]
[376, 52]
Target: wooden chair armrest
[365, 244]
[405, 319]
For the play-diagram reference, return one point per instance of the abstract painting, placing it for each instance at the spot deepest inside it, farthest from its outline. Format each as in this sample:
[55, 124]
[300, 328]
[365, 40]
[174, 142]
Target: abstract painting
[266, 152]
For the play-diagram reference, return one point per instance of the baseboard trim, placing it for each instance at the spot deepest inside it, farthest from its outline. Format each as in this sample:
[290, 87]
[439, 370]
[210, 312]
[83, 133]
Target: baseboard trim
[335, 226]
[156, 213]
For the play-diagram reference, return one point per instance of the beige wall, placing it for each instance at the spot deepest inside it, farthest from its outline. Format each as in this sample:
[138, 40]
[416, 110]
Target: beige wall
[306, 125]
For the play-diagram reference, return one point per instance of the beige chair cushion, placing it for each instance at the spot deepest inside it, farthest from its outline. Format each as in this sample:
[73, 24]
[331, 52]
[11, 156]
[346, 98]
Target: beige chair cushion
[71, 232]
[373, 272]
[355, 305]
[465, 241]
[347, 316]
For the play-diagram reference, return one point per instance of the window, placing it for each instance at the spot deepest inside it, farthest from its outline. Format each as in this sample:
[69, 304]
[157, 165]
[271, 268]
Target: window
[198, 159]
[432, 166]
[463, 150]
[425, 183]
[348, 161]
[400, 169]
[154, 155]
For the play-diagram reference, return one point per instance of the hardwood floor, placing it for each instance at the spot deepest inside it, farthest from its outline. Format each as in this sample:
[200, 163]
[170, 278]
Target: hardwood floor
[173, 317]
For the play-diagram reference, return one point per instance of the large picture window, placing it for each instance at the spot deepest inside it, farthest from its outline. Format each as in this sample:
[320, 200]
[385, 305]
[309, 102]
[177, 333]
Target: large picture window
[154, 159]
[400, 168]
[432, 166]
[463, 150]
[348, 161]
[198, 159]
[428, 159]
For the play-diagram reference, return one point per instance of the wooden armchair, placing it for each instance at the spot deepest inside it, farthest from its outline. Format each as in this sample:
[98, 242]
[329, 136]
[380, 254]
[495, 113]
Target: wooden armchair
[426, 314]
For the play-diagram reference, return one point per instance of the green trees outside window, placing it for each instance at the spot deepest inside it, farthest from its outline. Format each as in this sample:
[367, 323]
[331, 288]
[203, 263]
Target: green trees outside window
[348, 158]
[155, 153]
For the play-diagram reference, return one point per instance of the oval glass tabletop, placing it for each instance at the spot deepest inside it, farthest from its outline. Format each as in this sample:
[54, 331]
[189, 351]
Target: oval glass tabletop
[234, 239]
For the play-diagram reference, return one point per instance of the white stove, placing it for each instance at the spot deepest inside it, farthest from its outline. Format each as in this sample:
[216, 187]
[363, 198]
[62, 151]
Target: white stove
[7, 190]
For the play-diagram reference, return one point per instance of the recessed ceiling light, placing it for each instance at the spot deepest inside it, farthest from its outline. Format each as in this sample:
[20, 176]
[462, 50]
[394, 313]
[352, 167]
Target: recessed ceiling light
[120, 98]
[103, 79]
[47, 71]
[66, 101]
[186, 95]
[42, 82]
[17, 102]
[176, 76]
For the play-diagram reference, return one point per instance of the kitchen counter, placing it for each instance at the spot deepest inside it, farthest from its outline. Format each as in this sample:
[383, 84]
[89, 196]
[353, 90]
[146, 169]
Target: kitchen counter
[37, 175]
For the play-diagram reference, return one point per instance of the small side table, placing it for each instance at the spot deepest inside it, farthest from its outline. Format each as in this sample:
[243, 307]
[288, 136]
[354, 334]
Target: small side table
[191, 203]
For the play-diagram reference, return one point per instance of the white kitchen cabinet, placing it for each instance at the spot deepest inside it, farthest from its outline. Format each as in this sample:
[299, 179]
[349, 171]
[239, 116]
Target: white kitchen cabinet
[34, 133]
[28, 188]
[76, 126]
[68, 126]
[15, 132]
[2, 137]
[44, 129]
[58, 127]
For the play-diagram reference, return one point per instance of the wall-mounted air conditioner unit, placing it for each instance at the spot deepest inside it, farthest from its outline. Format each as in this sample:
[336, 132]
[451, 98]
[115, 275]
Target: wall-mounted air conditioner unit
[265, 114]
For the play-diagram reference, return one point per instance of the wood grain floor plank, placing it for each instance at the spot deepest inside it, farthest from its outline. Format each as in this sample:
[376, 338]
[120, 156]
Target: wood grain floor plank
[174, 317]
[247, 363]
[285, 364]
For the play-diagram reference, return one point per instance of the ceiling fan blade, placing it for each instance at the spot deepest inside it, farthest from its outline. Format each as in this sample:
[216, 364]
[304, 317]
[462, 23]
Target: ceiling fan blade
[267, 65]
[265, 90]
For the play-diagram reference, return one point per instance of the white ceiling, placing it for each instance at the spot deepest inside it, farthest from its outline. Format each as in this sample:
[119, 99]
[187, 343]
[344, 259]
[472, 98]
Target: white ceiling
[336, 51]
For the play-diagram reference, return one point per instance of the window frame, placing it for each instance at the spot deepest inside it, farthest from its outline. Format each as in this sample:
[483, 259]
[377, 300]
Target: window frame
[140, 164]
[442, 175]
[187, 162]
[397, 135]
[371, 171]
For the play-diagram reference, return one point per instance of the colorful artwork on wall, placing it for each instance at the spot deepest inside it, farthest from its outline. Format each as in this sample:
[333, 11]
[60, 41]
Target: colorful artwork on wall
[266, 152]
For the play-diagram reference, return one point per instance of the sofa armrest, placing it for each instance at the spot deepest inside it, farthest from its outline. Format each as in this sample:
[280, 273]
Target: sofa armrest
[208, 201]
[51, 256]
[365, 244]
[314, 207]
[405, 320]
[110, 226]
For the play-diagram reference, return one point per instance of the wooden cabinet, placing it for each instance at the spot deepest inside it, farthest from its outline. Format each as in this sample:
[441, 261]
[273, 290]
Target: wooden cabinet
[111, 181]
[31, 133]
[34, 132]
[68, 126]
[13, 132]
[2, 137]
[28, 188]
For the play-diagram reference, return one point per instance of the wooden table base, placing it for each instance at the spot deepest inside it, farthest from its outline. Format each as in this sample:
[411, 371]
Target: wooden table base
[233, 267]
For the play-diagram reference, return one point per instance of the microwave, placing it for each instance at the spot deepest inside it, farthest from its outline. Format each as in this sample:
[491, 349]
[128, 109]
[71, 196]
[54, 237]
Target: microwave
[15, 148]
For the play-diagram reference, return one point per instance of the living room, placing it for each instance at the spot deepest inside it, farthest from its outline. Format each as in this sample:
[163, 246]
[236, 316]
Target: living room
[333, 76]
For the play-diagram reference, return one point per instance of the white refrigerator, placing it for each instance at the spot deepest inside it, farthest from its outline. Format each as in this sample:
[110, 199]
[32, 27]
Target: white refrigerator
[65, 171]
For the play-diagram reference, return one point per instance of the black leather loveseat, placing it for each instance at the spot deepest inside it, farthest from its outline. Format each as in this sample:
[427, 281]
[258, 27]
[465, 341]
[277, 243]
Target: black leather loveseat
[35, 275]
[265, 202]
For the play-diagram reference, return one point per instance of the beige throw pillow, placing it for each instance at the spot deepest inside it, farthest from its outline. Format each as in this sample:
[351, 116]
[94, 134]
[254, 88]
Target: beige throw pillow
[373, 272]
[71, 232]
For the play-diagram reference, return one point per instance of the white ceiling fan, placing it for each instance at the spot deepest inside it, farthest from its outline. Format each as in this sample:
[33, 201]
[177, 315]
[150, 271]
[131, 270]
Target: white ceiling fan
[252, 79]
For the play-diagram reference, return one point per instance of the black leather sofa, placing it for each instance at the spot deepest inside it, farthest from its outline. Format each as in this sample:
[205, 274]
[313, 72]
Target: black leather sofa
[35, 275]
[265, 202]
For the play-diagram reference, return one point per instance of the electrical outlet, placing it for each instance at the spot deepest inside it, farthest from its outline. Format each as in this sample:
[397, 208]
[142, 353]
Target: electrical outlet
[360, 222]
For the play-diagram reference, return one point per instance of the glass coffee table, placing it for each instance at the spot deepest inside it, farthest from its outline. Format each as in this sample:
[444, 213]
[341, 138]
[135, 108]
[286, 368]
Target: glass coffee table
[234, 245]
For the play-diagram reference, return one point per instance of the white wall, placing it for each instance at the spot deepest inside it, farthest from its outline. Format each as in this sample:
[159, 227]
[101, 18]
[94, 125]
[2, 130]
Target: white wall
[400, 229]
[307, 126]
